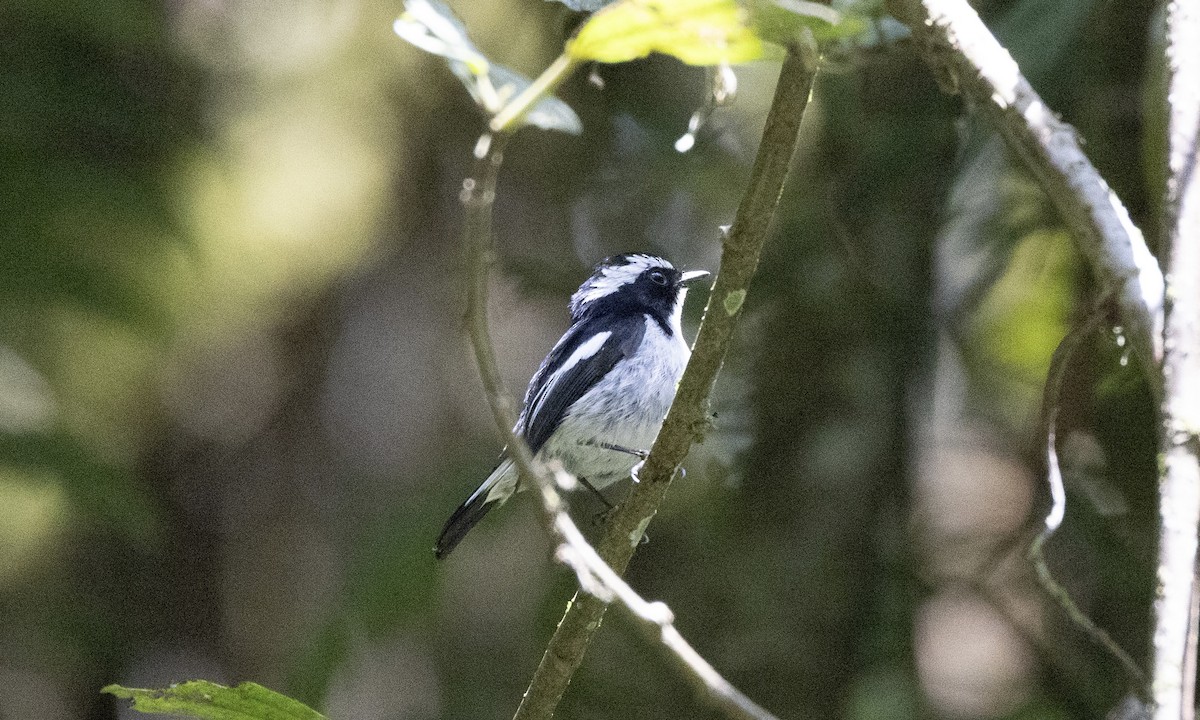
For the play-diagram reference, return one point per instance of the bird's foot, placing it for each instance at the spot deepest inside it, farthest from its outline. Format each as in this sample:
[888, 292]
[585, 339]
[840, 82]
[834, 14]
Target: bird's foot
[642, 454]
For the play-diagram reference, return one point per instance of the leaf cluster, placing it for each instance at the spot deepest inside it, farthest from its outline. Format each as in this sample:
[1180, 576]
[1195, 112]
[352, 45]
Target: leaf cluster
[696, 32]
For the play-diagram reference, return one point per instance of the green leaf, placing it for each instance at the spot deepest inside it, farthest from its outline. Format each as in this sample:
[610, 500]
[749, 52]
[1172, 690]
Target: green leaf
[698, 32]
[209, 701]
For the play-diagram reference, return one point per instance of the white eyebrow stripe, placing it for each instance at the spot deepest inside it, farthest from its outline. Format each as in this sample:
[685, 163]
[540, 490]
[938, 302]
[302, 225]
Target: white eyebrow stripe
[615, 277]
[610, 281]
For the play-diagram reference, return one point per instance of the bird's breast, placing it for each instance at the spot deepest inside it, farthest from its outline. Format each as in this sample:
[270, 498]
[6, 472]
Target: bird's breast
[625, 408]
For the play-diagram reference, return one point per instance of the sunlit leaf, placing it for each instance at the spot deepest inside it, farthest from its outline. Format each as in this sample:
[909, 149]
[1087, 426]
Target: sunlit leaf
[432, 26]
[1021, 318]
[698, 32]
[209, 701]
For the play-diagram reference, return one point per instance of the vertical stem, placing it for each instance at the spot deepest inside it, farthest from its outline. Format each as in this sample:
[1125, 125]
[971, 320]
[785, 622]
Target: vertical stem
[1173, 682]
[1060, 365]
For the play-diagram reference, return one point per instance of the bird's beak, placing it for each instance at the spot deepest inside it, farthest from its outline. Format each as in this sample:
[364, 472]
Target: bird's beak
[692, 276]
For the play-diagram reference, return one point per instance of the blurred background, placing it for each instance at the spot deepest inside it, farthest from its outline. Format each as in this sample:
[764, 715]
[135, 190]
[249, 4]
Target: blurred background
[237, 402]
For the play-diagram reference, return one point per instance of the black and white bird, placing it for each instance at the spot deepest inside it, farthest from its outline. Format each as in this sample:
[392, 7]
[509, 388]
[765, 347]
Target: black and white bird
[599, 398]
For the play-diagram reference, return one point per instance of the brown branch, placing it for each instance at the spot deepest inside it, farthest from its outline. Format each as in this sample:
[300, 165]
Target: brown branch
[687, 420]
[968, 60]
[1173, 680]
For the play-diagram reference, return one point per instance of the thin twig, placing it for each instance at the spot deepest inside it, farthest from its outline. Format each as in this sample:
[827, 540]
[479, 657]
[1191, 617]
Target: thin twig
[544, 85]
[595, 576]
[1070, 668]
[478, 196]
[968, 59]
[1173, 679]
[687, 419]
[1059, 364]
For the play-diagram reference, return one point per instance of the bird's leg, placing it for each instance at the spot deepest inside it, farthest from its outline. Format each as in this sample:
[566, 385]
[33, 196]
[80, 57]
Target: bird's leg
[584, 482]
[602, 517]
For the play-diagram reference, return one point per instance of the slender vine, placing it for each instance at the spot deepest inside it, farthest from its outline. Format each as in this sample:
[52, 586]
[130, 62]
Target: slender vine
[1060, 363]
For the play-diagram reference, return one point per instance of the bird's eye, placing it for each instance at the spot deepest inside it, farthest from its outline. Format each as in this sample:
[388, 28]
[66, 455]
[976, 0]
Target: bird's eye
[658, 277]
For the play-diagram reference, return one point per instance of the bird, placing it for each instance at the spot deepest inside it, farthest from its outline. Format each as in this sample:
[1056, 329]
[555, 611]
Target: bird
[599, 398]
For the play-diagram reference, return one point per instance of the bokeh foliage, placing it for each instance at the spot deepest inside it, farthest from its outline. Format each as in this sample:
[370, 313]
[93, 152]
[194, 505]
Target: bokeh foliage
[236, 405]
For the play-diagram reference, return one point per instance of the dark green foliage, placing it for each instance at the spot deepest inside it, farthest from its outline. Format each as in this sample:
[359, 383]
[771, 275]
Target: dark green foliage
[96, 108]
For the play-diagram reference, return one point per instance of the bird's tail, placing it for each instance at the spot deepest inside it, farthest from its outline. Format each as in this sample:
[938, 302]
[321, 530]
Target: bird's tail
[498, 487]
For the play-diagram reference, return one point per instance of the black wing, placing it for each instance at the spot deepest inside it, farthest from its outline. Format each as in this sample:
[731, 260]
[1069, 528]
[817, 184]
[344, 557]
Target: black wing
[554, 389]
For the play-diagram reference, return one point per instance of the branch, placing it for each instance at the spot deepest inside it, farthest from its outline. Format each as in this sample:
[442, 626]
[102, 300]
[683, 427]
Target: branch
[688, 417]
[969, 60]
[1173, 682]
[507, 118]
[655, 619]
[599, 582]
[595, 576]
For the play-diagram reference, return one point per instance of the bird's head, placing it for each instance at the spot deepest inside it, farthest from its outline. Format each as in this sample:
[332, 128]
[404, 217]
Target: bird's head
[634, 282]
